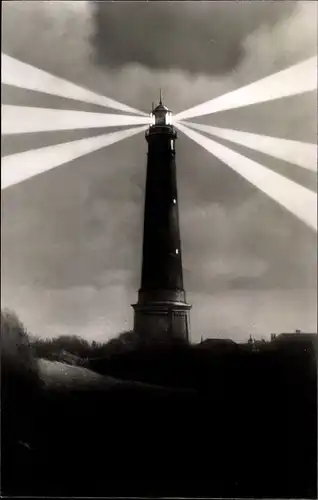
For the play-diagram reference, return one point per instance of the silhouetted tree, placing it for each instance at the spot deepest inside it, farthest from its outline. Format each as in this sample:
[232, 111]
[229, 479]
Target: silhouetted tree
[20, 393]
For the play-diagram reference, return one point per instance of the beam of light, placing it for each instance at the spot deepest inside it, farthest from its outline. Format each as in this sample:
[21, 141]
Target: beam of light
[300, 78]
[25, 76]
[22, 119]
[295, 198]
[18, 167]
[299, 153]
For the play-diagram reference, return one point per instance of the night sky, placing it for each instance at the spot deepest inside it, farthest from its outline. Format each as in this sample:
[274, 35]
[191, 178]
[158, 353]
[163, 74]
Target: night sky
[72, 237]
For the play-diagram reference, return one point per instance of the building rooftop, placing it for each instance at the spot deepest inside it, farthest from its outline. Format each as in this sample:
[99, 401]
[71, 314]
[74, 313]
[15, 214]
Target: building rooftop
[297, 336]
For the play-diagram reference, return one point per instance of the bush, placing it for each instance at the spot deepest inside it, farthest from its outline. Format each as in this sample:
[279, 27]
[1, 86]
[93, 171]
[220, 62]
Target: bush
[53, 348]
[17, 356]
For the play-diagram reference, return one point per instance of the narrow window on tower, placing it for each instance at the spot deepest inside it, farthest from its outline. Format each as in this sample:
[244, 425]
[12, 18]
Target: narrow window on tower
[177, 251]
[172, 145]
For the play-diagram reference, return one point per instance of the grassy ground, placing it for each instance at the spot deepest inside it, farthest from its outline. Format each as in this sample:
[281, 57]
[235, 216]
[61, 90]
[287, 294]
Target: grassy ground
[160, 422]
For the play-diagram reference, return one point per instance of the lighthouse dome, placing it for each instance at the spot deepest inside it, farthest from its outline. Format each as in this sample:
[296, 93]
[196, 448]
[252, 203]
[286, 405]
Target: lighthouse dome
[161, 108]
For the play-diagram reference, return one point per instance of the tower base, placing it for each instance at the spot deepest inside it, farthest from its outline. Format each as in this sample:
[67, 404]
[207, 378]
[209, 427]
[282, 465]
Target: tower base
[162, 315]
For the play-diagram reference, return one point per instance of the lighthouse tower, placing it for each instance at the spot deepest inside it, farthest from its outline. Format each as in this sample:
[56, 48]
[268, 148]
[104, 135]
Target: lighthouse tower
[161, 312]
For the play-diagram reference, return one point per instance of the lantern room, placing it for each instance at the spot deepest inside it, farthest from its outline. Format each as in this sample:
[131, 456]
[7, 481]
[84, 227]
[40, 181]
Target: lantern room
[161, 115]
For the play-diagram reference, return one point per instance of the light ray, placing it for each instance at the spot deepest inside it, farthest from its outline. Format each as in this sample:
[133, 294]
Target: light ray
[299, 153]
[300, 78]
[19, 167]
[22, 119]
[20, 74]
[297, 199]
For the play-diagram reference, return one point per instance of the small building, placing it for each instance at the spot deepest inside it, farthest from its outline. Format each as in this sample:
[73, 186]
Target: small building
[220, 344]
[297, 340]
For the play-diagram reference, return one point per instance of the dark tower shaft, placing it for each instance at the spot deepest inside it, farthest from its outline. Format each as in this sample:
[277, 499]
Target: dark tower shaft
[162, 311]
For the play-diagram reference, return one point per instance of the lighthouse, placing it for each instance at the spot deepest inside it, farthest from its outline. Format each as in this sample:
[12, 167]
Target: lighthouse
[161, 312]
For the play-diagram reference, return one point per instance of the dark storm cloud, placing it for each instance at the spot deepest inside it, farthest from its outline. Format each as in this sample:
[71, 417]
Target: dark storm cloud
[197, 37]
[70, 42]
